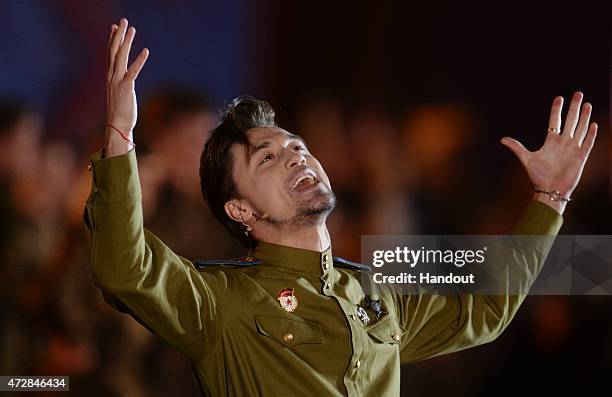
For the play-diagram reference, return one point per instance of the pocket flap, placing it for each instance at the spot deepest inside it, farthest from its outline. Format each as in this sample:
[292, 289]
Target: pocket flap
[287, 331]
[386, 330]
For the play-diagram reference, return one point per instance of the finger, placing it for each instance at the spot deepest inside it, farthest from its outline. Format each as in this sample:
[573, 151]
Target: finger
[583, 124]
[572, 116]
[112, 34]
[137, 65]
[116, 43]
[517, 148]
[554, 120]
[114, 46]
[589, 141]
[121, 61]
[110, 41]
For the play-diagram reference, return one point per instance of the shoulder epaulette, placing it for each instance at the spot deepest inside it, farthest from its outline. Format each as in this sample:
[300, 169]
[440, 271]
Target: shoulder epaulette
[244, 261]
[346, 264]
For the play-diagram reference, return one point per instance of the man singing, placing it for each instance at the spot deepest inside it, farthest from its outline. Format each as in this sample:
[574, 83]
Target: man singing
[290, 319]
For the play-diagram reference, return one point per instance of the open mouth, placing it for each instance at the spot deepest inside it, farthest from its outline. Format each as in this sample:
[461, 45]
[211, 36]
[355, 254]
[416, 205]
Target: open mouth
[304, 181]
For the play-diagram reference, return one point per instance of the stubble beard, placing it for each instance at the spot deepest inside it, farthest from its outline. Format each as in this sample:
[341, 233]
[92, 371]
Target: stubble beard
[316, 209]
[308, 212]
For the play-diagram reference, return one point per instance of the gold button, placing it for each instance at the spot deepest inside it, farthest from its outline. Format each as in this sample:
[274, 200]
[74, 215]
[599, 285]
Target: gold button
[325, 266]
[288, 337]
[327, 285]
[358, 364]
[395, 336]
[324, 258]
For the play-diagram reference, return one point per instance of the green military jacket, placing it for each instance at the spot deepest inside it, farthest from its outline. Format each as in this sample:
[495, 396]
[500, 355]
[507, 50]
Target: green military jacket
[241, 342]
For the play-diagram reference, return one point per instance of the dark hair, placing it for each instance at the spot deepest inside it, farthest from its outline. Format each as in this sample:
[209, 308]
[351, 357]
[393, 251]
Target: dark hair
[216, 179]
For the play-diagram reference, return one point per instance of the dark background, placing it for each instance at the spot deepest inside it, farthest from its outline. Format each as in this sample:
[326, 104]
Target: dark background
[404, 103]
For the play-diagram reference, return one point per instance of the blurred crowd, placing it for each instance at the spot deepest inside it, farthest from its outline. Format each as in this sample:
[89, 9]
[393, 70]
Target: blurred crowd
[428, 170]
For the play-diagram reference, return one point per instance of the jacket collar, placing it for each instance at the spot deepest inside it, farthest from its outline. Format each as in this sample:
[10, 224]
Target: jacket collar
[296, 259]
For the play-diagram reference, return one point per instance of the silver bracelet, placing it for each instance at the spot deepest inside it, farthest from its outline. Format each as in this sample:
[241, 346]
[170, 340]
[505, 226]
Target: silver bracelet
[555, 195]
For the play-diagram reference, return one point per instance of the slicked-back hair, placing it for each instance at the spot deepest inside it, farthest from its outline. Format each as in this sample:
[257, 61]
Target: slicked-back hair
[216, 167]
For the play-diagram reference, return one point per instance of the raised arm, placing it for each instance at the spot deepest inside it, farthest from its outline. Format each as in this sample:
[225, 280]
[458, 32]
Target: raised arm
[121, 108]
[136, 271]
[438, 324]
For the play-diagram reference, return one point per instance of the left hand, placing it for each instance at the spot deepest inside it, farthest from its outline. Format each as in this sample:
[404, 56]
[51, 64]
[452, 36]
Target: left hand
[558, 164]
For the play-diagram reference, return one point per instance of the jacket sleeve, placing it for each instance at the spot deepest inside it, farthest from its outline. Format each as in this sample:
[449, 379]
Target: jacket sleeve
[440, 324]
[136, 272]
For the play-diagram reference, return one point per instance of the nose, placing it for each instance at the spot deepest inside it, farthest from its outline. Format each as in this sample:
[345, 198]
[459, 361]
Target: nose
[294, 157]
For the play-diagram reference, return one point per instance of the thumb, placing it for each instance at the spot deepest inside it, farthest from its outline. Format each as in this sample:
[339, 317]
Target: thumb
[517, 148]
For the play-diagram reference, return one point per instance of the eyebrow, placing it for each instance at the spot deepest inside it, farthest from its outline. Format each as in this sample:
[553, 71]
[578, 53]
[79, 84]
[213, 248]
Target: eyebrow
[252, 150]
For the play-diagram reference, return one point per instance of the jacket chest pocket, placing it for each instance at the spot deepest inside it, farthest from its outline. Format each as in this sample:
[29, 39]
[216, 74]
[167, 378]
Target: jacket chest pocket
[386, 330]
[289, 332]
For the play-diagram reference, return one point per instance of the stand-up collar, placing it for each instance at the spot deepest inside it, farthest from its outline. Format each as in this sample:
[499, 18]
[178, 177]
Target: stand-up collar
[296, 259]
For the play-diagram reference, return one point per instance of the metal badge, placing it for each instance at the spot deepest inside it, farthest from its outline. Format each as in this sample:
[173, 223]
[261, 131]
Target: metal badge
[375, 305]
[363, 315]
[287, 299]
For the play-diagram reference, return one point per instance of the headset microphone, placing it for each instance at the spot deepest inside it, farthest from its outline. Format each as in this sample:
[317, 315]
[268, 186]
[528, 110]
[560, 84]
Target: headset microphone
[259, 218]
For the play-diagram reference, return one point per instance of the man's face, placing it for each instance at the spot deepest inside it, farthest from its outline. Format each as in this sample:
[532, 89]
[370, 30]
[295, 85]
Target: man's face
[279, 177]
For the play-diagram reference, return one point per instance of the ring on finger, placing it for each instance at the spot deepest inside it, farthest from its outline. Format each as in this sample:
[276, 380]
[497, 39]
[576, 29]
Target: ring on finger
[554, 130]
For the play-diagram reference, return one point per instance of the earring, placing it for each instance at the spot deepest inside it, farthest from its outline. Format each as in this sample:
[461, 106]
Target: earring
[248, 229]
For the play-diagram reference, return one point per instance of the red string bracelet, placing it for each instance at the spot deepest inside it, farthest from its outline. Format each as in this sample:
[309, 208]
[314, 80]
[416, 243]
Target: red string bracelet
[121, 133]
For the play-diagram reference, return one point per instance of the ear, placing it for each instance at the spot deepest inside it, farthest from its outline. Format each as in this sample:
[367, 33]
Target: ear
[238, 211]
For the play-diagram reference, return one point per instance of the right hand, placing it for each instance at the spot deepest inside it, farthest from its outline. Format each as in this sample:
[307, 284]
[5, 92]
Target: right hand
[121, 108]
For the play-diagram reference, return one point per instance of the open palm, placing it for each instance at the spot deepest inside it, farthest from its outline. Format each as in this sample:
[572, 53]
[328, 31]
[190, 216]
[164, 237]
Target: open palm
[558, 164]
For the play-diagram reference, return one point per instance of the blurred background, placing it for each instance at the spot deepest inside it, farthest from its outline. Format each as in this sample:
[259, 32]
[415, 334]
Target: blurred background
[404, 104]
